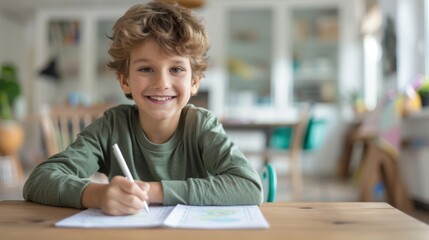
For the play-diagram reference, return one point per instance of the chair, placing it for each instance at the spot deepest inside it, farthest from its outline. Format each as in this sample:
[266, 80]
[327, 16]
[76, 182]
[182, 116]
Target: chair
[294, 153]
[380, 134]
[61, 124]
[269, 182]
[379, 166]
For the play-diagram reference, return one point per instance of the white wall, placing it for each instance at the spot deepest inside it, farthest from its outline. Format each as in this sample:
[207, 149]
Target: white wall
[410, 48]
[12, 40]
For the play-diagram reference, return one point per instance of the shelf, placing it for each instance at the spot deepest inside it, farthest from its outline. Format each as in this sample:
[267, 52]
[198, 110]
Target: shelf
[315, 76]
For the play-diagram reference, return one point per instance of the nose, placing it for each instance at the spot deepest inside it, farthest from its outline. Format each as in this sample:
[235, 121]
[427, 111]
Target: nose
[162, 81]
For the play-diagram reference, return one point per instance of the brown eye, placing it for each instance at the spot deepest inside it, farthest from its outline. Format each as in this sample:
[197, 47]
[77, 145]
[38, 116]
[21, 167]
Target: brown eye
[145, 69]
[177, 70]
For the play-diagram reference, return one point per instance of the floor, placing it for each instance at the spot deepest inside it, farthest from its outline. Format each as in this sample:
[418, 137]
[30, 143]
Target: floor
[322, 189]
[315, 189]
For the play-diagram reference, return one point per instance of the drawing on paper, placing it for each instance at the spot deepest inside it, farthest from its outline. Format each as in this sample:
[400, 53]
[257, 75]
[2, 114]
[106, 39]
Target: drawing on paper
[101, 217]
[220, 215]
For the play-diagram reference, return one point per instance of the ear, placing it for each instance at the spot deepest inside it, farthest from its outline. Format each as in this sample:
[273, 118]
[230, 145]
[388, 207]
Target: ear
[194, 86]
[124, 82]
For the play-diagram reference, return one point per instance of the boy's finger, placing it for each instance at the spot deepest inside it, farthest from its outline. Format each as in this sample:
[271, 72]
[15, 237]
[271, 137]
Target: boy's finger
[131, 201]
[125, 184]
[144, 186]
[136, 190]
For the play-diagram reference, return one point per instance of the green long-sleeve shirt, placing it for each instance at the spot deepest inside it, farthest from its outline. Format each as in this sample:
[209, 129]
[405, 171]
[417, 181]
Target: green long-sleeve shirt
[199, 165]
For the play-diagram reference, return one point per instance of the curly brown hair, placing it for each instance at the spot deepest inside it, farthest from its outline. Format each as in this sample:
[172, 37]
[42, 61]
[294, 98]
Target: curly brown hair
[174, 28]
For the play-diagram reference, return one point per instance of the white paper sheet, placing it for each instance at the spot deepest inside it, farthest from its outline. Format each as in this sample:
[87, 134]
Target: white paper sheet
[216, 217]
[95, 218]
[181, 216]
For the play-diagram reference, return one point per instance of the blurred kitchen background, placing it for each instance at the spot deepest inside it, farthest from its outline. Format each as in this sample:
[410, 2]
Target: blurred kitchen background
[268, 59]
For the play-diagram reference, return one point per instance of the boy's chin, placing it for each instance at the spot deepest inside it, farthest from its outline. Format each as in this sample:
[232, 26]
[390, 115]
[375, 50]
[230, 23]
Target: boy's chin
[163, 115]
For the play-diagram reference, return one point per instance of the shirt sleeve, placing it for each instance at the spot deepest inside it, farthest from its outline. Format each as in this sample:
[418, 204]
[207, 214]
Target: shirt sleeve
[231, 180]
[60, 180]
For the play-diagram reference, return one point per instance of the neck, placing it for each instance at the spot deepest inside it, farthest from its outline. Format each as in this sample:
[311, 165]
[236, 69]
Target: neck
[159, 132]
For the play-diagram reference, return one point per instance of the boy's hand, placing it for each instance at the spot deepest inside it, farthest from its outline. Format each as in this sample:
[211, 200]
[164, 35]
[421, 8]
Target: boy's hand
[119, 197]
[122, 197]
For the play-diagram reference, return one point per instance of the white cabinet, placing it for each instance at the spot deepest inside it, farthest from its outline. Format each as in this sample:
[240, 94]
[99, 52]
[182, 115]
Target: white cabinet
[249, 48]
[75, 42]
[414, 158]
[106, 84]
[271, 55]
[315, 50]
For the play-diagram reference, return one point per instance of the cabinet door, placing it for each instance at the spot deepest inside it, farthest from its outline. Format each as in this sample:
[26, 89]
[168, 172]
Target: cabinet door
[107, 86]
[62, 46]
[249, 56]
[315, 50]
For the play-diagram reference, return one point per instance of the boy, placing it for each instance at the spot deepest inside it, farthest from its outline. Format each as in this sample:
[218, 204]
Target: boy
[177, 153]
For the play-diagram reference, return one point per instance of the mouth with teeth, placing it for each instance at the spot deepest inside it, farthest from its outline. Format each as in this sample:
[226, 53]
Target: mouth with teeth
[160, 99]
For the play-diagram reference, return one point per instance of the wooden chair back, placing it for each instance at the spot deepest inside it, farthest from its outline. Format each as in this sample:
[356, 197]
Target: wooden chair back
[294, 152]
[296, 146]
[61, 124]
[298, 133]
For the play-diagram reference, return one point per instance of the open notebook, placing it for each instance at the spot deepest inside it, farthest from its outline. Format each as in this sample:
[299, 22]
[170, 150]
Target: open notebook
[180, 216]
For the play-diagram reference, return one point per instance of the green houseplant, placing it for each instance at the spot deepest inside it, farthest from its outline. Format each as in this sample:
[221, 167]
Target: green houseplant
[355, 98]
[10, 90]
[11, 131]
[423, 92]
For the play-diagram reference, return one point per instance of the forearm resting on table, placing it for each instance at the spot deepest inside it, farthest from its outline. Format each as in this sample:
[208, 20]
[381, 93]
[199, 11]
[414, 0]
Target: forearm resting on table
[91, 196]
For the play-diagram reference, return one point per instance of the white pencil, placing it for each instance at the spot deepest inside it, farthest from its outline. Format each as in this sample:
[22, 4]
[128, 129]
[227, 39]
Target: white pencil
[125, 169]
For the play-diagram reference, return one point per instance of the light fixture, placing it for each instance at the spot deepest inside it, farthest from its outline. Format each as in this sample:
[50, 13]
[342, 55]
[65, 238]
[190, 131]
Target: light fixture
[188, 3]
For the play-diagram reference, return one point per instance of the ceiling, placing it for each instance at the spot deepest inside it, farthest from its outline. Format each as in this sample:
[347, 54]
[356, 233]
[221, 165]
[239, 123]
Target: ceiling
[25, 9]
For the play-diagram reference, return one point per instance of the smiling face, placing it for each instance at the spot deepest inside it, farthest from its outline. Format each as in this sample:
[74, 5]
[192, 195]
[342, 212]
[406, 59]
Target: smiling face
[160, 84]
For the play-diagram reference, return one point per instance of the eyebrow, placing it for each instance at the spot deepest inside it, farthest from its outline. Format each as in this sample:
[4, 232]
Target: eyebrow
[146, 60]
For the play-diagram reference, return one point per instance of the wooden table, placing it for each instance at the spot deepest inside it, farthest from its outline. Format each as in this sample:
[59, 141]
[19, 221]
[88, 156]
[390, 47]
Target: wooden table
[290, 221]
[266, 127]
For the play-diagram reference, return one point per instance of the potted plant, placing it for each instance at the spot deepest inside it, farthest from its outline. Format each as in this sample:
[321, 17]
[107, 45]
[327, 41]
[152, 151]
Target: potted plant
[11, 131]
[423, 92]
[356, 100]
